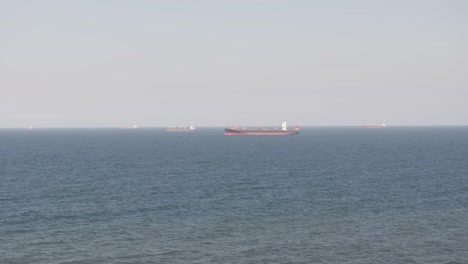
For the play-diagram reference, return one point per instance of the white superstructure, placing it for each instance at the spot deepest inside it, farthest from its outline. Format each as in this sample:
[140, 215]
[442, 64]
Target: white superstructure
[284, 126]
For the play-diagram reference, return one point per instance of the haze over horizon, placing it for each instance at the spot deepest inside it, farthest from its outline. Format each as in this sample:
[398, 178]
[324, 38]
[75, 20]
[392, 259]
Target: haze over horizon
[223, 63]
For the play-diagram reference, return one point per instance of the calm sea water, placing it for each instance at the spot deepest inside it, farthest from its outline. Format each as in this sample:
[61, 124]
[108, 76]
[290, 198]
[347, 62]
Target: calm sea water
[329, 195]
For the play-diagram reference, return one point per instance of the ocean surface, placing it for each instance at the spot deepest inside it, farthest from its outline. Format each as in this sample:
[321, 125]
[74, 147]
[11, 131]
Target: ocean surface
[328, 195]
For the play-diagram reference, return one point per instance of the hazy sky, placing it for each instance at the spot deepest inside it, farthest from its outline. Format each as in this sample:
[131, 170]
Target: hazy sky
[221, 63]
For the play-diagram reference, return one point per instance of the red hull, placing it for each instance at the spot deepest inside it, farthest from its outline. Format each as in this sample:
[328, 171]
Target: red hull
[178, 130]
[234, 131]
[258, 134]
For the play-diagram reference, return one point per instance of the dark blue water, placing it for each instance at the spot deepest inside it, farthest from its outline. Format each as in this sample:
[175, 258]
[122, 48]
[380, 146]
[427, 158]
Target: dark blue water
[329, 195]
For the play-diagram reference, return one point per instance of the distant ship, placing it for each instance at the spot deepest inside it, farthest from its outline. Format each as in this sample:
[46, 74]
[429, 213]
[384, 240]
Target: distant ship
[374, 126]
[129, 127]
[260, 131]
[179, 129]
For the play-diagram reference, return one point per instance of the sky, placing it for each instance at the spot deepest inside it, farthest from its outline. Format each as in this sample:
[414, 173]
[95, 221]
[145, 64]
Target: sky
[106, 63]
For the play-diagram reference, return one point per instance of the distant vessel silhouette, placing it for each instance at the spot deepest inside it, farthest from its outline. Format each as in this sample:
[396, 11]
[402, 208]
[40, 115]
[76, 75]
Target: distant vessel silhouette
[260, 131]
[179, 129]
[129, 127]
[374, 126]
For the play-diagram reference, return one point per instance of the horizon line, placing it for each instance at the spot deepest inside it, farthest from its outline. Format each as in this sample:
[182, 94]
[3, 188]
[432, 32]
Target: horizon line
[215, 126]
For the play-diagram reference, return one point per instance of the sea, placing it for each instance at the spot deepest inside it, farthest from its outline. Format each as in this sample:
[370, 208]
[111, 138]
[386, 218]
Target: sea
[327, 195]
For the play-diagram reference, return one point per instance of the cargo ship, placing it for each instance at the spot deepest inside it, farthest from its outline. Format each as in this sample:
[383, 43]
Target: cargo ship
[374, 126]
[260, 131]
[179, 129]
[129, 127]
